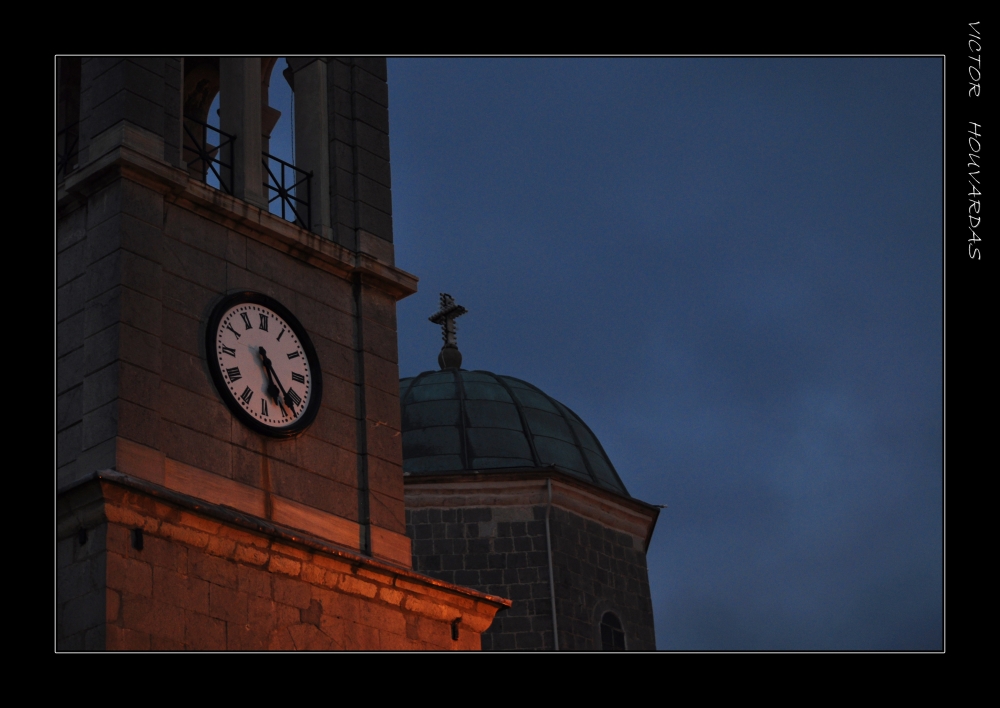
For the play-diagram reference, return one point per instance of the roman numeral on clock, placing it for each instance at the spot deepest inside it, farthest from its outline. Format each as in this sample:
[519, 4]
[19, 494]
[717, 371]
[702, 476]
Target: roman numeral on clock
[255, 385]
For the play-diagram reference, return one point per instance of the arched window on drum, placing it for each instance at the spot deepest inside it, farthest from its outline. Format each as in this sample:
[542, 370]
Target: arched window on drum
[612, 633]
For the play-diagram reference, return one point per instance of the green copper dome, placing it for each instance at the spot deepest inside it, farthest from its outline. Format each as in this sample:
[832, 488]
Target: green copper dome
[458, 421]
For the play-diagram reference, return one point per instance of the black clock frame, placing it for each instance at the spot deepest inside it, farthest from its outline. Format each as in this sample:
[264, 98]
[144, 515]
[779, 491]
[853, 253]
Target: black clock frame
[212, 359]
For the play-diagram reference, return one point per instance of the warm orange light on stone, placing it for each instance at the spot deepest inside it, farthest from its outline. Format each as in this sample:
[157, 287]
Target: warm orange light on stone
[202, 583]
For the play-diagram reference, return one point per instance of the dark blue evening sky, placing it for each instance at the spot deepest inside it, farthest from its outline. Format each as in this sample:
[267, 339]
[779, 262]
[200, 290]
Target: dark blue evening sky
[731, 269]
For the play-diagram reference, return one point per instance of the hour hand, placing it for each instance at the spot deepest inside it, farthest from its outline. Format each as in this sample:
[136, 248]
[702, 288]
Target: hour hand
[272, 389]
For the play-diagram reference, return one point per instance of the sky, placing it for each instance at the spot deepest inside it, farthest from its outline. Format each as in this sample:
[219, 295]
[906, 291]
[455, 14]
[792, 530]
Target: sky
[731, 269]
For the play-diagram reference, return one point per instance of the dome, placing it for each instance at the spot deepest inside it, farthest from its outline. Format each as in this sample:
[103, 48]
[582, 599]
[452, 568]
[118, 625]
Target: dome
[457, 421]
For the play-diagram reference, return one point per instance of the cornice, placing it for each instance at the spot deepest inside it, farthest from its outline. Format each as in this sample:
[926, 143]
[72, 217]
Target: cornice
[81, 505]
[131, 152]
[529, 488]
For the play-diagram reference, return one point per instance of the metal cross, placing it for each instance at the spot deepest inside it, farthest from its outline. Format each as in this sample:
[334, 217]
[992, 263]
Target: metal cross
[446, 318]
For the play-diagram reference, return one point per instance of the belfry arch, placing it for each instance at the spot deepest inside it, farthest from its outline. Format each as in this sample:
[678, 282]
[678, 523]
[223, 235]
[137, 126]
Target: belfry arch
[201, 86]
[224, 113]
[269, 115]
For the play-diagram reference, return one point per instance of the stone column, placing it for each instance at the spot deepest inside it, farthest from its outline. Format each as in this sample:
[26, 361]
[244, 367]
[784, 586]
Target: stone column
[361, 194]
[312, 141]
[239, 109]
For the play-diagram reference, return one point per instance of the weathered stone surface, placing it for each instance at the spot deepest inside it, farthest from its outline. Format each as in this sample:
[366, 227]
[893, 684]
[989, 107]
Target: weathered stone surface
[143, 255]
[502, 551]
[197, 582]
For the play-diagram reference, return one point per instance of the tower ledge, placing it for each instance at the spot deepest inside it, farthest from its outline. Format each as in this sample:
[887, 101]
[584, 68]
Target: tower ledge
[245, 583]
[131, 152]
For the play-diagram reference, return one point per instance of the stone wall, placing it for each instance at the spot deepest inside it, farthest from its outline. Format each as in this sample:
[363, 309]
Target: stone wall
[495, 550]
[359, 136]
[502, 550]
[144, 252]
[599, 569]
[137, 572]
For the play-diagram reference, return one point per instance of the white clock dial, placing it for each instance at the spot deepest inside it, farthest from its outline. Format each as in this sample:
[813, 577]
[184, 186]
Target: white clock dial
[263, 365]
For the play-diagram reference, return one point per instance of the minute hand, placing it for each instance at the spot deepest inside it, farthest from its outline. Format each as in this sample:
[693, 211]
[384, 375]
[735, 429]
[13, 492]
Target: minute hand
[271, 372]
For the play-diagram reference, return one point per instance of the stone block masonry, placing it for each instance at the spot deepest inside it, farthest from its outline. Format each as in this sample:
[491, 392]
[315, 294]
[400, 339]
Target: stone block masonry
[145, 249]
[490, 548]
[488, 532]
[599, 568]
[144, 568]
[157, 250]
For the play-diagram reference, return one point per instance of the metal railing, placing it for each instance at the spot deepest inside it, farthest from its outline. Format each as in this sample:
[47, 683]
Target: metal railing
[286, 187]
[295, 196]
[202, 157]
[67, 140]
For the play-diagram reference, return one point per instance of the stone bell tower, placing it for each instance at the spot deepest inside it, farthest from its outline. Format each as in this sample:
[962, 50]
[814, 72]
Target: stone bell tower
[180, 526]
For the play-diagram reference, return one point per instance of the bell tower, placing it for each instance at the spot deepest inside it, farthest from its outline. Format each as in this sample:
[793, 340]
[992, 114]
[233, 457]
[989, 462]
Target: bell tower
[181, 524]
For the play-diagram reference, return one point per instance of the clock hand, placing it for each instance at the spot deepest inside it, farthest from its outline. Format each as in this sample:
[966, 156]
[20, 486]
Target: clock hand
[272, 390]
[271, 373]
[288, 400]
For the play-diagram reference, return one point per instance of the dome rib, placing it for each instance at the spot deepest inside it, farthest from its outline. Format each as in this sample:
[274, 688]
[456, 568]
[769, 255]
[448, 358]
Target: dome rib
[576, 439]
[447, 432]
[524, 421]
[463, 419]
[413, 382]
[597, 441]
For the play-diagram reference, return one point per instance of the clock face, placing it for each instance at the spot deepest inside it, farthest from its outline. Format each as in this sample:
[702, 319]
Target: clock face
[263, 364]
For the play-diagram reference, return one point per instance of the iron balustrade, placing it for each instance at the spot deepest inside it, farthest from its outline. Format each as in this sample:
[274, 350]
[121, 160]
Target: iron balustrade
[285, 183]
[205, 156]
[295, 196]
[66, 142]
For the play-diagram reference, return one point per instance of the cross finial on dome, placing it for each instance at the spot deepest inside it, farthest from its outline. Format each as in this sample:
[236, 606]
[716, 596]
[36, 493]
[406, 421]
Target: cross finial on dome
[450, 357]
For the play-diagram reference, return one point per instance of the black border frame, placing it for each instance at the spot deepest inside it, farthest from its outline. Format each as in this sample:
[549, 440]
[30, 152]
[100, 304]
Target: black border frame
[249, 421]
